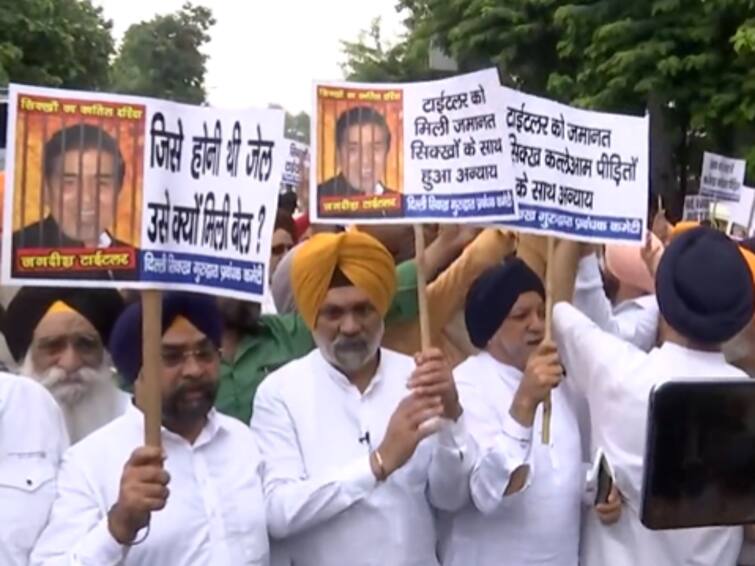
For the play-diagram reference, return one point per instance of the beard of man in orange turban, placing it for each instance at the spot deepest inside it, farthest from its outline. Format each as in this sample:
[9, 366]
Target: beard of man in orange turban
[343, 285]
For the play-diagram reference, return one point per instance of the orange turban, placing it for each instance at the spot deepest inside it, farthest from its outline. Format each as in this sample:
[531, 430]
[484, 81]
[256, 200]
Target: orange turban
[627, 265]
[750, 259]
[359, 256]
[683, 226]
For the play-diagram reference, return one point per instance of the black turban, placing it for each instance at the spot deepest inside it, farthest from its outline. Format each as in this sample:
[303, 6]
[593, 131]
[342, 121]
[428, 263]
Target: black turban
[704, 287]
[101, 307]
[492, 296]
[126, 339]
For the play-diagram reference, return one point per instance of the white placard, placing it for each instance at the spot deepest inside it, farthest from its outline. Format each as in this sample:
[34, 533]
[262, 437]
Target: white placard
[741, 212]
[697, 208]
[577, 174]
[408, 153]
[722, 177]
[129, 192]
[297, 152]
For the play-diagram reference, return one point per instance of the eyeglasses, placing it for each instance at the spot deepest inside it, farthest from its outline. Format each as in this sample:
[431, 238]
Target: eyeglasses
[175, 357]
[83, 344]
[279, 249]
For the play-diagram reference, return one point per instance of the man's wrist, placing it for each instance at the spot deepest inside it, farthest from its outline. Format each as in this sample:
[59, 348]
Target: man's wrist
[378, 466]
[118, 530]
[455, 412]
[523, 410]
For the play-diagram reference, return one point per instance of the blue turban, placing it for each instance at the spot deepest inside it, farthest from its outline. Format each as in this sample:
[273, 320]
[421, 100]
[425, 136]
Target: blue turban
[126, 337]
[492, 296]
[704, 286]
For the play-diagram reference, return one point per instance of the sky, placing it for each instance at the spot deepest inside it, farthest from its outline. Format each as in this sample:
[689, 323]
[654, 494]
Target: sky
[264, 52]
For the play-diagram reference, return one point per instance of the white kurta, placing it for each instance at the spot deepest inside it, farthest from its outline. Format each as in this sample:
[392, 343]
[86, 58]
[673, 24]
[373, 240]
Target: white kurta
[635, 320]
[325, 508]
[215, 512]
[617, 379]
[32, 440]
[540, 524]
[101, 406]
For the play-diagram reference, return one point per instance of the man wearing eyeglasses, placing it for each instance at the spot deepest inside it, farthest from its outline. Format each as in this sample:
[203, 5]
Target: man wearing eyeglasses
[58, 337]
[196, 502]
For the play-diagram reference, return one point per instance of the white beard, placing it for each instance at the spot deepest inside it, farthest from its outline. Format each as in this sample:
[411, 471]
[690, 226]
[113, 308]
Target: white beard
[89, 398]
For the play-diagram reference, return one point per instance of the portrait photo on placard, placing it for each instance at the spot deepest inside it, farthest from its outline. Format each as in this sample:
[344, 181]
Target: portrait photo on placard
[77, 188]
[359, 160]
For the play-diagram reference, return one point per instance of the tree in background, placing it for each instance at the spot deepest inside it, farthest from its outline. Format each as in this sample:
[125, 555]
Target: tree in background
[369, 60]
[162, 57]
[690, 63]
[60, 43]
[296, 126]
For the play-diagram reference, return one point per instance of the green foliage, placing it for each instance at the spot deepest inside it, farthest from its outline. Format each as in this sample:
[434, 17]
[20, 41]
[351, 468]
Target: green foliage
[58, 43]
[691, 62]
[369, 60]
[296, 126]
[162, 57]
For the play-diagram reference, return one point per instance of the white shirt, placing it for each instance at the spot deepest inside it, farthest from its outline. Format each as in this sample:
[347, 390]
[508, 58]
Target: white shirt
[539, 524]
[315, 431]
[214, 515]
[635, 320]
[32, 440]
[617, 379]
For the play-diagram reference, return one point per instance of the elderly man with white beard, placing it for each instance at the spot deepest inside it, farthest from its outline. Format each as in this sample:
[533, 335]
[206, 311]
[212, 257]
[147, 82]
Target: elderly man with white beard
[57, 337]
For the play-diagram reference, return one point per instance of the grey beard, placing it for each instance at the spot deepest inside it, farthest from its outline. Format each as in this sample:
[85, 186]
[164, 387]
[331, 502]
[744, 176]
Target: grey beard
[348, 358]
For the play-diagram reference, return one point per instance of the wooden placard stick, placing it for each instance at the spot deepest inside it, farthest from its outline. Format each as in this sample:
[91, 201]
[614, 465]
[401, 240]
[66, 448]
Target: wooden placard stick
[547, 408]
[150, 399]
[424, 315]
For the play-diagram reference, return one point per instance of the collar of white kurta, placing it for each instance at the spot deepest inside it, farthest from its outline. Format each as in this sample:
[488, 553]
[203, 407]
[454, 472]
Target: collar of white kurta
[511, 375]
[675, 350]
[322, 367]
[211, 429]
[643, 302]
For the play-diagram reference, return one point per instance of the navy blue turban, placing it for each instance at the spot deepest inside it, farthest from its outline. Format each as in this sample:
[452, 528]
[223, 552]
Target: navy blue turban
[704, 287]
[126, 338]
[492, 296]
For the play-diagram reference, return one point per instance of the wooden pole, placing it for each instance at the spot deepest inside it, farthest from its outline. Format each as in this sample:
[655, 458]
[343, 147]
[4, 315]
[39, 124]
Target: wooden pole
[424, 315]
[547, 408]
[150, 399]
[434, 423]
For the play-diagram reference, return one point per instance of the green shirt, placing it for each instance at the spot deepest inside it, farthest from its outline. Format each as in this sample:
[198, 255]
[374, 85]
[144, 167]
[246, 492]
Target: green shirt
[284, 338]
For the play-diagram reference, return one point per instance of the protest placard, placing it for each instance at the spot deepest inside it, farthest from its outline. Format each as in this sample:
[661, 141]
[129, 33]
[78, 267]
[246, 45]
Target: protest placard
[741, 212]
[697, 208]
[118, 191]
[722, 177]
[577, 174]
[410, 152]
[294, 160]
